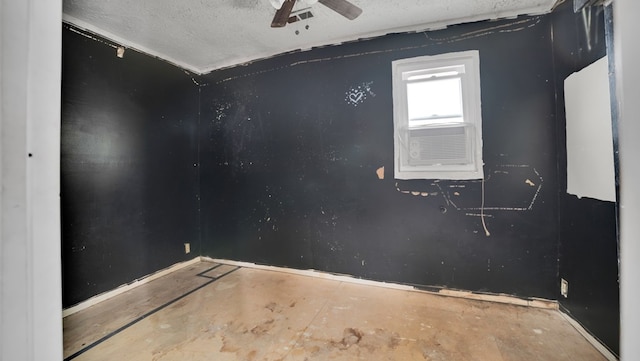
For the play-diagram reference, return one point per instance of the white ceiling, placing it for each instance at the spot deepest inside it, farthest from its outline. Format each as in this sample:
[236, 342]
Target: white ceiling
[204, 35]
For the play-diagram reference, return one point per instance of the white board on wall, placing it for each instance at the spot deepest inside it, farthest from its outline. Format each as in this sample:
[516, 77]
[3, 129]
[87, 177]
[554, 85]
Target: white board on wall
[590, 168]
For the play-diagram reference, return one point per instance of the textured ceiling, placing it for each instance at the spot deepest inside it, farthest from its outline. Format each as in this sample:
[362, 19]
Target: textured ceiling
[204, 35]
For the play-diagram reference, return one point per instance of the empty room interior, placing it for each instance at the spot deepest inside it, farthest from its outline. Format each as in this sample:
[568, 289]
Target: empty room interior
[301, 180]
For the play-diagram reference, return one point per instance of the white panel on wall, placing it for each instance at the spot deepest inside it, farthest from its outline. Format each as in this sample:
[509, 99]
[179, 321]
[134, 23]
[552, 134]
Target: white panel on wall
[590, 169]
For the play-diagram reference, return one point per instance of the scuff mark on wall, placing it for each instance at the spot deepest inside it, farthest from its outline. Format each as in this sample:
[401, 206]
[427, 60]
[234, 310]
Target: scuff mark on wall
[220, 109]
[478, 215]
[193, 79]
[86, 35]
[513, 26]
[380, 172]
[466, 191]
[499, 175]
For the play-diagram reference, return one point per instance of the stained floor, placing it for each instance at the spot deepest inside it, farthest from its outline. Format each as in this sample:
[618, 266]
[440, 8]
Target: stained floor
[217, 312]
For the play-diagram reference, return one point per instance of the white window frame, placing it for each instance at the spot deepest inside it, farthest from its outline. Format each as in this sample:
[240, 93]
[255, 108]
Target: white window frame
[468, 131]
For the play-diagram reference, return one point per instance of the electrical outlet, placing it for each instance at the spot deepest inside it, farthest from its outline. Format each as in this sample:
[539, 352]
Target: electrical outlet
[564, 287]
[187, 248]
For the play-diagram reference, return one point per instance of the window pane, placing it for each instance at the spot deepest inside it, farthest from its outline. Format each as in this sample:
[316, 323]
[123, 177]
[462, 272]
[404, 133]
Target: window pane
[434, 101]
[434, 73]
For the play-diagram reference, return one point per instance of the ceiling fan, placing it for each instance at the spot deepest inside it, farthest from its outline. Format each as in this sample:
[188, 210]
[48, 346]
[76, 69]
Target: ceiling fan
[342, 7]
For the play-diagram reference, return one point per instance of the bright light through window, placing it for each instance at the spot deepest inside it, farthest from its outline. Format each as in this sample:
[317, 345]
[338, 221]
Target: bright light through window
[434, 102]
[437, 117]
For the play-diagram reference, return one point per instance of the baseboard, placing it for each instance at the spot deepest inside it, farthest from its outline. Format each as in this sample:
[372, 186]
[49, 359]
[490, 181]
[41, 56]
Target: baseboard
[587, 335]
[126, 287]
[502, 298]
[498, 298]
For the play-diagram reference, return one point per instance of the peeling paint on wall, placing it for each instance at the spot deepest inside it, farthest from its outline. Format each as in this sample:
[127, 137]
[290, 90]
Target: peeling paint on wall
[465, 195]
[513, 26]
[89, 36]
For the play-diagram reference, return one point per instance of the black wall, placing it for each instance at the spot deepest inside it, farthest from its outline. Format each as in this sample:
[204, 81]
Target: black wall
[127, 169]
[289, 152]
[588, 241]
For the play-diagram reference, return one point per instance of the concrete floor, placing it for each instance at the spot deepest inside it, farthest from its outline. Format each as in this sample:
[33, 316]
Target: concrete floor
[218, 312]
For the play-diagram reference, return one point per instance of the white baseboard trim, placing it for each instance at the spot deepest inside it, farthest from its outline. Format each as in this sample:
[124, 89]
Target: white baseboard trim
[498, 298]
[592, 340]
[126, 287]
[501, 298]
[309, 273]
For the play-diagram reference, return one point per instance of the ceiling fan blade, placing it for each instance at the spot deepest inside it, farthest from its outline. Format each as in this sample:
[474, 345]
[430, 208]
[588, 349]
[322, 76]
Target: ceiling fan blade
[282, 15]
[343, 7]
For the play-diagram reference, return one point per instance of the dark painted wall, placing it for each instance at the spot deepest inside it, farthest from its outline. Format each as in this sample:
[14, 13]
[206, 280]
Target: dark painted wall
[588, 241]
[290, 147]
[128, 178]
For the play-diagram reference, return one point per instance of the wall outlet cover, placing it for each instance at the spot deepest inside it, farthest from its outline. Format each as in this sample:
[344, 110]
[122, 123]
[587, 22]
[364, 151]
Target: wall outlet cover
[564, 287]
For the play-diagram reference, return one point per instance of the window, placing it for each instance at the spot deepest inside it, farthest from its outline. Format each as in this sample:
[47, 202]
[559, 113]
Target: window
[437, 117]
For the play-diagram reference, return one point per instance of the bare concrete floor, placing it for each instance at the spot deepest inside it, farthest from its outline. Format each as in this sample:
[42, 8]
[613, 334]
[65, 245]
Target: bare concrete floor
[220, 312]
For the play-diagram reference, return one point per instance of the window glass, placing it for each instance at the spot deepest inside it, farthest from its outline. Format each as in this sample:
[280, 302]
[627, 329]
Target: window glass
[434, 101]
[437, 117]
